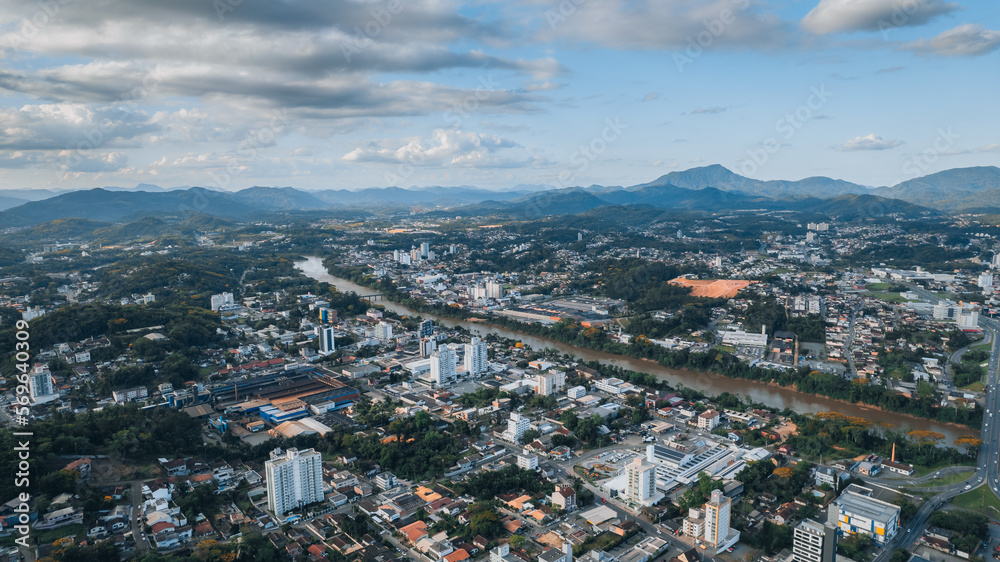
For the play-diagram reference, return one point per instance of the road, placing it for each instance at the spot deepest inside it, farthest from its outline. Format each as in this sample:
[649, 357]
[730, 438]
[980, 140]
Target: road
[849, 346]
[986, 470]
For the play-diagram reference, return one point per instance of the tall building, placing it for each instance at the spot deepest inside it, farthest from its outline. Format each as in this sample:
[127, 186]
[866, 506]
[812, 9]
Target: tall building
[383, 331]
[985, 280]
[427, 346]
[494, 290]
[717, 512]
[40, 384]
[444, 361]
[814, 542]
[294, 479]
[476, 358]
[327, 315]
[425, 249]
[641, 483]
[516, 426]
[221, 300]
[426, 329]
[326, 340]
[552, 382]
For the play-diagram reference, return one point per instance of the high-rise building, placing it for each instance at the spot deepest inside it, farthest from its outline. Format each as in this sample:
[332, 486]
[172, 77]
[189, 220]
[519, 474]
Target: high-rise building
[294, 479]
[326, 339]
[425, 249]
[427, 346]
[327, 315]
[40, 384]
[641, 483]
[383, 331]
[516, 426]
[985, 280]
[221, 300]
[494, 290]
[717, 512]
[547, 384]
[444, 361]
[476, 358]
[426, 329]
[814, 542]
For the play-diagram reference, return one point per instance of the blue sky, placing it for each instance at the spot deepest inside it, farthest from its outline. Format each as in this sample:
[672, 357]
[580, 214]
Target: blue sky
[350, 94]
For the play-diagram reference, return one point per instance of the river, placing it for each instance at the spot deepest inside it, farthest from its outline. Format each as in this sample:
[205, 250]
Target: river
[709, 383]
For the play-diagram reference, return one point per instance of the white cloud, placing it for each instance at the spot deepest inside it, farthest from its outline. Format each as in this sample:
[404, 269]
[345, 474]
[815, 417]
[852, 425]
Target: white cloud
[840, 16]
[868, 142]
[447, 147]
[968, 40]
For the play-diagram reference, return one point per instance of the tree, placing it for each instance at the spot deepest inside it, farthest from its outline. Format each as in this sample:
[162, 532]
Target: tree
[783, 472]
[923, 436]
[969, 443]
[530, 435]
[516, 541]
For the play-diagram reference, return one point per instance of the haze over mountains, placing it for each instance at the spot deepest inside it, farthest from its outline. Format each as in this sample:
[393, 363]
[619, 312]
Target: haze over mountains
[710, 188]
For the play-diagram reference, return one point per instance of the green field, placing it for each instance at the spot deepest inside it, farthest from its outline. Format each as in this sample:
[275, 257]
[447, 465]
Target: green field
[982, 499]
[889, 297]
[879, 286]
[946, 479]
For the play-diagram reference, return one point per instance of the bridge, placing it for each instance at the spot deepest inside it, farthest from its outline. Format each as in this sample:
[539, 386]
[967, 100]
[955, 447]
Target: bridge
[372, 297]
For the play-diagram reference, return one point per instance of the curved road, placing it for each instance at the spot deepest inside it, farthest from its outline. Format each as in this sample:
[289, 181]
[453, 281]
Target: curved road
[986, 470]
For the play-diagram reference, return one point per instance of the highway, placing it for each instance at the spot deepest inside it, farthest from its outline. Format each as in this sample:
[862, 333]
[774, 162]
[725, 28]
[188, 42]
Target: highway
[986, 470]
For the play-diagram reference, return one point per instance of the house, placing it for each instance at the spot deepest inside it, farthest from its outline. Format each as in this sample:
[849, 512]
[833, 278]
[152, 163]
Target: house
[564, 498]
[82, 466]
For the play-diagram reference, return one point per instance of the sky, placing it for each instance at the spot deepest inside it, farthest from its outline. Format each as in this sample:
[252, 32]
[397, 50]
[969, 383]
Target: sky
[348, 94]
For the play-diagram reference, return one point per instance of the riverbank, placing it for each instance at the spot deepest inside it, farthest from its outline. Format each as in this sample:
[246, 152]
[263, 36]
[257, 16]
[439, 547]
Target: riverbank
[710, 383]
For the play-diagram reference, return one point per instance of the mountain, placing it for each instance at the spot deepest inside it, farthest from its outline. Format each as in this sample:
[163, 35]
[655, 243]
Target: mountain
[29, 194]
[115, 206]
[723, 179]
[951, 190]
[10, 202]
[280, 199]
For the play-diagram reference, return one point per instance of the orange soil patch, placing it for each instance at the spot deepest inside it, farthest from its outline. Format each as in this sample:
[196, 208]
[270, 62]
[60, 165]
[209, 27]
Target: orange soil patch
[713, 288]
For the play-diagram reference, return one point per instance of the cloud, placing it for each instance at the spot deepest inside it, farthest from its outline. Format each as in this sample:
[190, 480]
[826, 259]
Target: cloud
[846, 16]
[890, 69]
[447, 147]
[709, 110]
[60, 126]
[968, 40]
[662, 24]
[868, 142]
[651, 96]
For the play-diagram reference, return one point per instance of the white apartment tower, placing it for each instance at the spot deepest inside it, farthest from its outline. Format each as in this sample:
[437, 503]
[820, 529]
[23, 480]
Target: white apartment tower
[326, 339]
[444, 361]
[294, 479]
[40, 383]
[552, 382]
[383, 331]
[717, 518]
[814, 542]
[221, 300]
[641, 484]
[516, 426]
[476, 362]
[494, 290]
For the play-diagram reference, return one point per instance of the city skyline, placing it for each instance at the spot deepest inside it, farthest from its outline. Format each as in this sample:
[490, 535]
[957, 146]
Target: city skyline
[351, 95]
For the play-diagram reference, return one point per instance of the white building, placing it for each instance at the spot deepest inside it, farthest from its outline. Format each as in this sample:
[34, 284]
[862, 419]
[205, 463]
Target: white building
[494, 290]
[221, 300]
[708, 420]
[476, 358]
[326, 339]
[40, 384]
[739, 337]
[857, 513]
[641, 482]
[444, 363]
[968, 320]
[516, 426]
[294, 479]
[527, 462]
[383, 331]
[985, 280]
[814, 542]
[550, 383]
[576, 392]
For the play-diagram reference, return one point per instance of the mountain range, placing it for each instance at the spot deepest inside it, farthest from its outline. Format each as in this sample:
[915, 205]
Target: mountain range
[710, 188]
